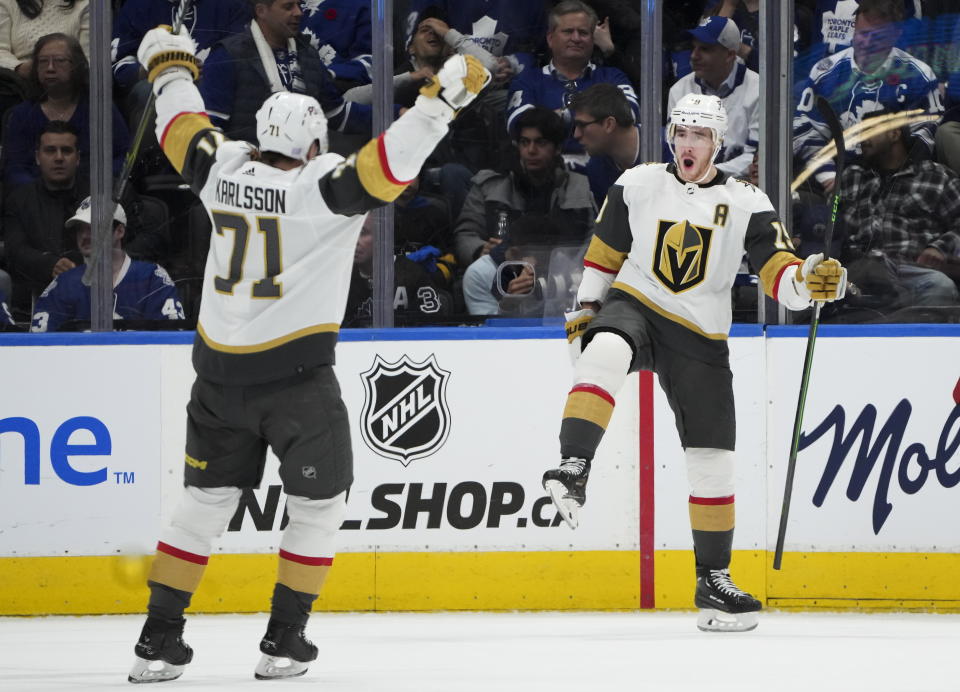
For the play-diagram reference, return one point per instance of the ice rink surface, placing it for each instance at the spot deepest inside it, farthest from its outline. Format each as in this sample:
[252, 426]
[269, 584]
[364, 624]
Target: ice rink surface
[507, 652]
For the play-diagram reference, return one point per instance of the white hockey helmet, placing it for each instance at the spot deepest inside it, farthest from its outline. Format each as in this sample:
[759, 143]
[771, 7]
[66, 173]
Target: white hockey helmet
[289, 123]
[699, 110]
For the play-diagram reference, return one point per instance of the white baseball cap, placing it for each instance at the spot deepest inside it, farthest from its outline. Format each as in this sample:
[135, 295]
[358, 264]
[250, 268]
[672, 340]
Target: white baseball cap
[83, 214]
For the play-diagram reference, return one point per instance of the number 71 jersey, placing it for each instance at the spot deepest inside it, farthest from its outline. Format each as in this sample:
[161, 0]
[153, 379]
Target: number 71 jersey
[278, 271]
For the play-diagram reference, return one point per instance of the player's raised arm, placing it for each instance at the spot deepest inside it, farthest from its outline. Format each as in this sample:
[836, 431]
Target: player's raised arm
[184, 131]
[384, 166]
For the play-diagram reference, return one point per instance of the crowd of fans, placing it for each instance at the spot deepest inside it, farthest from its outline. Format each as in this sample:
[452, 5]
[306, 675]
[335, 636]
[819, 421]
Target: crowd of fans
[498, 219]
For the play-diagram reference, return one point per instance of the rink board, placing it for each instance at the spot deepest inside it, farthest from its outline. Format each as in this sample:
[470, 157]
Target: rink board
[452, 430]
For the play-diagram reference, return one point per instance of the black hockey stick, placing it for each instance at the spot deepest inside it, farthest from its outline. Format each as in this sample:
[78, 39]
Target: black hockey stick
[836, 132]
[120, 189]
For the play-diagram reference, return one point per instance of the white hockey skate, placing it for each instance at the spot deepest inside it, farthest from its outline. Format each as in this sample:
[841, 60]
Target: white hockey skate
[567, 486]
[287, 652]
[724, 607]
[153, 671]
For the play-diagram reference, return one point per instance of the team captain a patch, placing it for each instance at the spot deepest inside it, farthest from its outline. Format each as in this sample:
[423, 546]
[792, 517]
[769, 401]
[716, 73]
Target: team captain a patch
[405, 414]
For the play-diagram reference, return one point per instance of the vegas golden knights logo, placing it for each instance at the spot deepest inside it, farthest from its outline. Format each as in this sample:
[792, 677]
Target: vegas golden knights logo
[680, 260]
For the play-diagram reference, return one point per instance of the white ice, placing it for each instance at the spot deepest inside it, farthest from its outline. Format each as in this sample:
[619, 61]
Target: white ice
[507, 652]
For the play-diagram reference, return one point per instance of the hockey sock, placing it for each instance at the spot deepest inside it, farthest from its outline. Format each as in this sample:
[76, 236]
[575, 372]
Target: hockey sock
[585, 420]
[712, 519]
[166, 602]
[600, 371]
[290, 607]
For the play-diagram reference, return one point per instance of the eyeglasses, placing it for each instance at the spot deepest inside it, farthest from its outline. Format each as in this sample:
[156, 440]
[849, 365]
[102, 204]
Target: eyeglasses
[582, 124]
[57, 60]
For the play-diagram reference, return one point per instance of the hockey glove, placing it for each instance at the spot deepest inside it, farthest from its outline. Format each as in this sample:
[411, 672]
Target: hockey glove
[168, 56]
[821, 280]
[577, 323]
[455, 86]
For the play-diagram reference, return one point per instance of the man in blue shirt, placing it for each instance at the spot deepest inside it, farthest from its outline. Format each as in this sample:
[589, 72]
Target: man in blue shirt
[570, 39]
[141, 290]
[604, 125]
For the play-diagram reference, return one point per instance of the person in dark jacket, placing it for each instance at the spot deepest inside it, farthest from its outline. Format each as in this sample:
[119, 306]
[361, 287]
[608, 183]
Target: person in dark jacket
[59, 75]
[37, 248]
[270, 56]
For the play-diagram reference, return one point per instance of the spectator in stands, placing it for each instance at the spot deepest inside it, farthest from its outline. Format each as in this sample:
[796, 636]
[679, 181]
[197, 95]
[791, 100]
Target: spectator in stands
[871, 75]
[141, 290]
[269, 56]
[617, 37]
[424, 232]
[24, 22]
[340, 30]
[604, 125]
[427, 48]
[570, 40]
[207, 22]
[538, 185]
[902, 215]
[511, 31]
[37, 247]
[59, 73]
[717, 72]
[416, 297]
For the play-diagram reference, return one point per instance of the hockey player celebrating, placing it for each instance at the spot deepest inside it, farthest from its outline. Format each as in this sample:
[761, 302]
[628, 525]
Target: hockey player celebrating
[655, 295]
[286, 219]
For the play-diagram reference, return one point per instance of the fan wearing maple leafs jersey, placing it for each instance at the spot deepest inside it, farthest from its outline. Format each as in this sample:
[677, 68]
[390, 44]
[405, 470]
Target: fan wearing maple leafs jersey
[656, 296]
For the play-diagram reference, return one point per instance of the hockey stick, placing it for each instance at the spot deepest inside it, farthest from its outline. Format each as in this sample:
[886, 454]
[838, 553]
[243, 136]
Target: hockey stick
[121, 187]
[836, 132]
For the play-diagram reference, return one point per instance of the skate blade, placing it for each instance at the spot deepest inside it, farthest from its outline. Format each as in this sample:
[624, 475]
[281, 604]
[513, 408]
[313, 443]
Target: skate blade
[711, 620]
[144, 671]
[566, 508]
[278, 667]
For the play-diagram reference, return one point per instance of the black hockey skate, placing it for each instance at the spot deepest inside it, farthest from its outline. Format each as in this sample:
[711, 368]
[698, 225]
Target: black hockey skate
[724, 607]
[286, 652]
[567, 486]
[161, 651]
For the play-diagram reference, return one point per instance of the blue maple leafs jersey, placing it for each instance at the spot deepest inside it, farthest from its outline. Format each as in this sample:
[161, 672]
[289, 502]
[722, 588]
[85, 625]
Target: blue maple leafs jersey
[143, 291]
[901, 83]
[340, 31]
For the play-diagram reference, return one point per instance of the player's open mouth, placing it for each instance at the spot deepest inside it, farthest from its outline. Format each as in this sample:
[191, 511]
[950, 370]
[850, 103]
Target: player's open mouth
[687, 162]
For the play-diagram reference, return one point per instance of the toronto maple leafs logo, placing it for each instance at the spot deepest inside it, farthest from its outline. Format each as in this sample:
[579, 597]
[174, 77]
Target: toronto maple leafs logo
[405, 414]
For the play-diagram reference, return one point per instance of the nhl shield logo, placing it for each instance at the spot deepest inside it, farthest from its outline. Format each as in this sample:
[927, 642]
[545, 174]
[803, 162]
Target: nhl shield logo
[405, 414]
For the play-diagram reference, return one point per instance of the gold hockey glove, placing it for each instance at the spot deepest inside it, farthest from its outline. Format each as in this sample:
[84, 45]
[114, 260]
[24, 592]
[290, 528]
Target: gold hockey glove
[824, 280]
[168, 56]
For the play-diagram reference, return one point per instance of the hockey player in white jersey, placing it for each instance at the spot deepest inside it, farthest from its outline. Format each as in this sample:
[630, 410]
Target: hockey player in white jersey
[286, 218]
[655, 295]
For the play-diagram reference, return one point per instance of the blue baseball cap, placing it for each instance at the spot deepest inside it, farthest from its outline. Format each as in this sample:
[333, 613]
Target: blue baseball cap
[717, 30]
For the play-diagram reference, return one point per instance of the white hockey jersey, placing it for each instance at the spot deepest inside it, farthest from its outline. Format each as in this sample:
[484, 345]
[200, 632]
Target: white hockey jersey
[281, 252]
[676, 247]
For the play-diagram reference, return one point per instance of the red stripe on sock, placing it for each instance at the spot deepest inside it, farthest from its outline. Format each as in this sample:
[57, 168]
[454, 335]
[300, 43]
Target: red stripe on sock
[596, 391]
[182, 554]
[711, 500]
[304, 560]
[385, 165]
